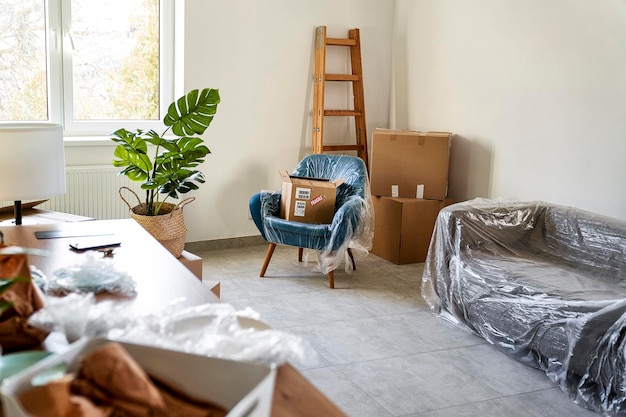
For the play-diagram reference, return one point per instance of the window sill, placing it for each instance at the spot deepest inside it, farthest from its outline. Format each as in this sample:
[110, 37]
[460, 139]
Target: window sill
[82, 141]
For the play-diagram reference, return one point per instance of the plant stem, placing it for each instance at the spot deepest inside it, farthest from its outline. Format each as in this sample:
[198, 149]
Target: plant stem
[151, 193]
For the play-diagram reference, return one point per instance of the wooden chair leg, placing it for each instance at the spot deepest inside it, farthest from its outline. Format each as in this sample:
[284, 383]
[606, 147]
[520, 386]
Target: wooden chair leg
[268, 256]
[331, 279]
[300, 250]
[352, 259]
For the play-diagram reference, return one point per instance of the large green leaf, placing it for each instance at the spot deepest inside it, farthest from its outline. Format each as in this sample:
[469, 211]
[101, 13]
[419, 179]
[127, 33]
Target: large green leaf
[192, 113]
[158, 141]
[137, 165]
[131, 141]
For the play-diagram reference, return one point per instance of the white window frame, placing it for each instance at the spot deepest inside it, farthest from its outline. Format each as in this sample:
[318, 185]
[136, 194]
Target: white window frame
[59, 73]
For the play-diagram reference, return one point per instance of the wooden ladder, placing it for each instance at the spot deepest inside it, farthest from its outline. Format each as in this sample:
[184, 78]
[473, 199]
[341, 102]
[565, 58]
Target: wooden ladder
[356, 78]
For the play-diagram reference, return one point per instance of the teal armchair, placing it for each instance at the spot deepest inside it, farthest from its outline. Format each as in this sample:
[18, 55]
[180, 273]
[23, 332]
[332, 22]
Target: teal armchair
[352, 223]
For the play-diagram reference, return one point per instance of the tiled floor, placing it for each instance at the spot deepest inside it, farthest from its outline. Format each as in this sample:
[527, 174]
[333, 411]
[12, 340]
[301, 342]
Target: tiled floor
[381, 352]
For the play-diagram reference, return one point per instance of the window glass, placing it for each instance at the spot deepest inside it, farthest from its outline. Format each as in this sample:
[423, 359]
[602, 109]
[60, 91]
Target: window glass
[23, 76]
[115, 59]
[88, 65]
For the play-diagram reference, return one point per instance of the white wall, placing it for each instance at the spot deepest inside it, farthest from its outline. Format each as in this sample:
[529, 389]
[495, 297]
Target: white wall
[259, 53]
[535, 91]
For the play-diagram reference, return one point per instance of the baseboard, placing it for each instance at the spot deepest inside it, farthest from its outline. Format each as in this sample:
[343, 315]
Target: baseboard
[235, 242]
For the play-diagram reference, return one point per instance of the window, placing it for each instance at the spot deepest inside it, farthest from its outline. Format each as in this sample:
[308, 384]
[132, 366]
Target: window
[92, 66]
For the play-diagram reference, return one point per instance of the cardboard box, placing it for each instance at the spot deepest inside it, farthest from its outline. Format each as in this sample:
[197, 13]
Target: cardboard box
[214, 286]
[244, 389]
[403, 228]
[308, 200]
[406, 163]
[192, 262]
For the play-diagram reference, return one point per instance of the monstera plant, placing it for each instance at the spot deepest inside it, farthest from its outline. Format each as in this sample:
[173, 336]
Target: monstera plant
[168, 167]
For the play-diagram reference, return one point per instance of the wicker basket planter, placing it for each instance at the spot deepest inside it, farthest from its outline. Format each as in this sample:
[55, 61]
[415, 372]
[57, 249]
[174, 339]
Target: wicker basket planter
[168, 227]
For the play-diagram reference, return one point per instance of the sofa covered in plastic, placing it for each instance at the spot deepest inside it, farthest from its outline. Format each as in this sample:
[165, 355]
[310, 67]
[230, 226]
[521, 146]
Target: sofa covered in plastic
[545, 284]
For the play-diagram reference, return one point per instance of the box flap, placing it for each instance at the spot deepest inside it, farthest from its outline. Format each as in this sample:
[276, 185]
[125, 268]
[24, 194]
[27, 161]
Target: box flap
[406, 132]
[284, 175]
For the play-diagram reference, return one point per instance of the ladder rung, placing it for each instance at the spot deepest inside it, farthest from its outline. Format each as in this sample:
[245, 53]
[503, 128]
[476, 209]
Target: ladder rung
[340, 42]
[343, 147]
[342, 113]
[341, 77]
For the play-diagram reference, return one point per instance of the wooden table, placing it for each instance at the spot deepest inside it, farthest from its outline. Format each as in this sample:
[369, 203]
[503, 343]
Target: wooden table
[160, 279]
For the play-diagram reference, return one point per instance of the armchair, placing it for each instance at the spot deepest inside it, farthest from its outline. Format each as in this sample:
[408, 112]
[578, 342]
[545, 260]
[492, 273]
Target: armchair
[352, 224]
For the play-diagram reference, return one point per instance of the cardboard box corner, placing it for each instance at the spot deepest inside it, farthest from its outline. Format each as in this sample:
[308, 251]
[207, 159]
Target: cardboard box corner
[403, 227]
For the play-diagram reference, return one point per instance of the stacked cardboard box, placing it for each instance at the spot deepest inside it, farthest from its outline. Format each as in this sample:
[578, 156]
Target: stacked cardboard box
[409, 182]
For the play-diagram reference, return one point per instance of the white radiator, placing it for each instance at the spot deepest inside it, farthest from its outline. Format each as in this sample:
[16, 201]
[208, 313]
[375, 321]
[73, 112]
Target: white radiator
[93, 191]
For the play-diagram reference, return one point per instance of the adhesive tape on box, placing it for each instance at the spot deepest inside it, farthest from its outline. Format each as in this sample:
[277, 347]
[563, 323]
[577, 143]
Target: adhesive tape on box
[419, 193]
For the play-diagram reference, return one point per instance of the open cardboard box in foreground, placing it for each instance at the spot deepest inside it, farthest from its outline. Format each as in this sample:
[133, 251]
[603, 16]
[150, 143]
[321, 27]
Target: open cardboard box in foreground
[244, 389]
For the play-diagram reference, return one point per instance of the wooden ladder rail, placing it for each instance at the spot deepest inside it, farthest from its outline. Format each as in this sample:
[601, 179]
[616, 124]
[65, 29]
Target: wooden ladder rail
[356, 78]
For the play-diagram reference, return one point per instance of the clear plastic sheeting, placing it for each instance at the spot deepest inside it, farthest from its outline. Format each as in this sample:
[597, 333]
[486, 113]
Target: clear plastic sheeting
[219, 330]
[353, 222]
[546, 284]
[215, 329]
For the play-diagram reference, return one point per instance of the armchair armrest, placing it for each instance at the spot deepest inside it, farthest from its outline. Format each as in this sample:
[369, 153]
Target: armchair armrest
[270, 203]
[353, 221]
[491, 225]
[263, 204]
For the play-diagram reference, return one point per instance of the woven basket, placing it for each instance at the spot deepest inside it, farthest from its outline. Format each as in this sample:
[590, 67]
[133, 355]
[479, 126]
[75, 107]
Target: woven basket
[168, 227]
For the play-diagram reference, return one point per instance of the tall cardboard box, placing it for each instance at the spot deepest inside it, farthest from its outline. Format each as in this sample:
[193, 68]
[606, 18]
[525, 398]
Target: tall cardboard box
[407, 163]
[403, 228]
[307, 200]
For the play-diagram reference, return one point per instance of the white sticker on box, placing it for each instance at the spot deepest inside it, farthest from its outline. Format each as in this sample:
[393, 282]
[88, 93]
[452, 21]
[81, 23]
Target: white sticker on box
[419, 193]
[394, 191]
[299, 208]
[303, 193]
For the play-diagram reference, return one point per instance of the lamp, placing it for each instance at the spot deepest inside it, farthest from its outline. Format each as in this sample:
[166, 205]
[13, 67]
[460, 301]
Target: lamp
[32, 162]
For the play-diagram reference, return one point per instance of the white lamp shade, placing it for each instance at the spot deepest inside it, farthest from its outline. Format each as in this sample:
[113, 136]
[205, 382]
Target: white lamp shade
[32, 161]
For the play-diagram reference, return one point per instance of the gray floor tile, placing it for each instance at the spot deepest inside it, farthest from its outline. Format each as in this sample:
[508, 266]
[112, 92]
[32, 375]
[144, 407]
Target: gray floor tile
[498, 407]
[420, 331]
[416, 383]
[495, 369]
[329, 340]
[383, 337]
[550, 403]
[345, 393]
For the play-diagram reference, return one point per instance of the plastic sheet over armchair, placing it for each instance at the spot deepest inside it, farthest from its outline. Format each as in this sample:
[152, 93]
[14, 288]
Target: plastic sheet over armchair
[352, 224]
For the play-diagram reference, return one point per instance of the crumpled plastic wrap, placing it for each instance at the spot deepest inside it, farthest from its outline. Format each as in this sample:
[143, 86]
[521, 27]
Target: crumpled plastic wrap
[78, 315]
[546, 284]
[214, 329]
[219, 330]
[352, 225]
[92, 273]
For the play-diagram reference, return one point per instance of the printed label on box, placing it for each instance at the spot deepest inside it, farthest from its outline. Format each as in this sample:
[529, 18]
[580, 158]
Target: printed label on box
[316, 200]
[303, 193]
[299, 208]
[394, 191]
